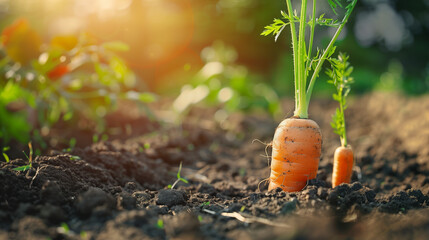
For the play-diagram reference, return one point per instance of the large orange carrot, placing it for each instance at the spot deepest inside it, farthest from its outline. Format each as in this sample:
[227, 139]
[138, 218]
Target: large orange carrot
[343, 166]
[297, 141]
[297, 145]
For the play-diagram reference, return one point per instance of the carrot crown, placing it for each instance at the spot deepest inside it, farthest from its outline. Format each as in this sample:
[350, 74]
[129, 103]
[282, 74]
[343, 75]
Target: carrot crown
[306, 63]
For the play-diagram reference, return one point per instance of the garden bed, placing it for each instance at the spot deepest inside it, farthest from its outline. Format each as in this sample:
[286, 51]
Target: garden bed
[118, 189]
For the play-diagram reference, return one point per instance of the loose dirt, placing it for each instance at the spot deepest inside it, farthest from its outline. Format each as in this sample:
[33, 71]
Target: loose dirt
[118, 189]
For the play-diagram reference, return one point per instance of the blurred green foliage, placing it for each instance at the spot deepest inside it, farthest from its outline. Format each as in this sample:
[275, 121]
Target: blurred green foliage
[71, 78]
[14, 124]
[223, 82]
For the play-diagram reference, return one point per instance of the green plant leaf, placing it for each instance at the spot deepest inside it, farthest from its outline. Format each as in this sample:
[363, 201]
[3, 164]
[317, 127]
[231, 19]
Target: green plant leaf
[68, 115]
[65, 227]
[6, 157]
[22, 168]
[276, 27]
[160, 224]
[75, 158]
[333, 4]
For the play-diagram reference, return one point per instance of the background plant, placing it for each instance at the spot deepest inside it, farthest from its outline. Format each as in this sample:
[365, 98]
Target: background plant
[69, 78]
[223, 82]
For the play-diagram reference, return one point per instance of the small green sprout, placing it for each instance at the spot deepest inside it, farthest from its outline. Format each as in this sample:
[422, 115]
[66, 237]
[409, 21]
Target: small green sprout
[200, 218]
[340, 77]
[95, 138]
[160, 224]
[179, 178]
[6, 157]
[104, 137]
[30, 159]
[72, 143]
[75, 158]
[146, 145]
[242, 208]
[65, 228]
[205, 203]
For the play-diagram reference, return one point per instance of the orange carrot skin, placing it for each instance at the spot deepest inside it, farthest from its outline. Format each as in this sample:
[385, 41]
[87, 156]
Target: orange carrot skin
[343, 166]
[297, 146]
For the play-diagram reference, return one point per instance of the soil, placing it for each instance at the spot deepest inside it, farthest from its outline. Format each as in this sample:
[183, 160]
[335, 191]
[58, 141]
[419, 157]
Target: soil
[118, 189]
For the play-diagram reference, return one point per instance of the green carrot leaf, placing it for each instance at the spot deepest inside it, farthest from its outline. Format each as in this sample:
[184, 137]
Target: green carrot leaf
[333, 4]
[275, 28]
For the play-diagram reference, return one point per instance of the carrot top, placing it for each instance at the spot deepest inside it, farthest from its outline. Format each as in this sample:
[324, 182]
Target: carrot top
[306, 63]
[340, 77]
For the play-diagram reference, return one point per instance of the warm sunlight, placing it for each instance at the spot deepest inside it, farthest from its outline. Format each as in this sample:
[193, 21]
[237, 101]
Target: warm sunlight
[155, 30]
[214, 119]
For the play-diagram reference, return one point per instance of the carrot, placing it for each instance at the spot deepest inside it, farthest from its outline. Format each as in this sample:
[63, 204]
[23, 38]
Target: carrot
[297, 141]
[343, 166]
[343, 157]
[296, 151]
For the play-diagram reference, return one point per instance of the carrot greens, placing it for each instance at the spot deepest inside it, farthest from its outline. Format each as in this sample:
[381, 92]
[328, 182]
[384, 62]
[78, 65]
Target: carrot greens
[306, 64]
[340, 77]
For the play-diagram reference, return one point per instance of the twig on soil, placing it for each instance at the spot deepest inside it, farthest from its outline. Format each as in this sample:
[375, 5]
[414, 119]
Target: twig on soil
[248, 218]
[35, 175]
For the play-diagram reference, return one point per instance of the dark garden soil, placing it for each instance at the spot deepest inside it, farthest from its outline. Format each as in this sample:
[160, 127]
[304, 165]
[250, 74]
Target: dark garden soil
[118, 189]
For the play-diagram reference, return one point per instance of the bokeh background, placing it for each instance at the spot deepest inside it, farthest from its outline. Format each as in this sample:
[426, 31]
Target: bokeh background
[172, 40]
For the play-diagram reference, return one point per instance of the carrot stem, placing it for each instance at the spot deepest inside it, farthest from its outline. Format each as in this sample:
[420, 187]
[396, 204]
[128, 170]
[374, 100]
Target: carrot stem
[301, 110]
[294, 48]
[343, 138]
[310, 44]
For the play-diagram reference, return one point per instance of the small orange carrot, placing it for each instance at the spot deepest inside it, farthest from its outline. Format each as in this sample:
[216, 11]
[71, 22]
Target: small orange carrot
[343, 157]
[343, 166]
[296, 145]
